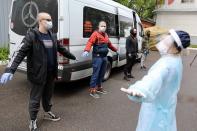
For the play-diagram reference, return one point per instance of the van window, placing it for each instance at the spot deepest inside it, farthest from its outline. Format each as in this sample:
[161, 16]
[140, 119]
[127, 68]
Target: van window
[24, 13]
[125, 26]
[91, 19]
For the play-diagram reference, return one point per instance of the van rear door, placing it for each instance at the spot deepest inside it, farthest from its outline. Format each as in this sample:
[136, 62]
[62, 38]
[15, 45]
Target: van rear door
[24, 13]
[23, 17]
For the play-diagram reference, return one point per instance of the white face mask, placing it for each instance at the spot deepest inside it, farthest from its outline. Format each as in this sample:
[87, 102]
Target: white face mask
[49, 25]
[163, 49]
[102, 29]
[164, 45]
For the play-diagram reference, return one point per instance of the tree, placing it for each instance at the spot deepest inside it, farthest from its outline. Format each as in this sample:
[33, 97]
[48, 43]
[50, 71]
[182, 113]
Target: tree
[144, 8]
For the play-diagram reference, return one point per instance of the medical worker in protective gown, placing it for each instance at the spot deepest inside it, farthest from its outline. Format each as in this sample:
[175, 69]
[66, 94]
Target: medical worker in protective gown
[157, 91]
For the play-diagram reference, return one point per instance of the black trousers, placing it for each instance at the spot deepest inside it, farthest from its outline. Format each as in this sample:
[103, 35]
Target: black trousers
[39, 92]
[129, 64]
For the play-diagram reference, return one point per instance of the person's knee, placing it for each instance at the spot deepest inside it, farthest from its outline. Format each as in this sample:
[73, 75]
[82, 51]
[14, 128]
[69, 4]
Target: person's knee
[34, 104]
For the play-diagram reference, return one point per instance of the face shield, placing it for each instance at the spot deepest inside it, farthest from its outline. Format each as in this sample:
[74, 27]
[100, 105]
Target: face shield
[166, 42]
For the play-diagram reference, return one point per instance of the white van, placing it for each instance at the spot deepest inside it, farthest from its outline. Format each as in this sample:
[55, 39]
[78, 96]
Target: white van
[74, 21]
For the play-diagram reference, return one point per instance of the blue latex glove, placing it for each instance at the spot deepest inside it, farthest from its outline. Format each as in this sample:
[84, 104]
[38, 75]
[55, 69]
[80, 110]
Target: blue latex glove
[85, 54]
[5, 77]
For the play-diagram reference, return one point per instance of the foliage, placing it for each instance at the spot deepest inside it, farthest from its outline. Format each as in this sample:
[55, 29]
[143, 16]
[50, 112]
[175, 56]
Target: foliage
[4, 54]
[144, 8]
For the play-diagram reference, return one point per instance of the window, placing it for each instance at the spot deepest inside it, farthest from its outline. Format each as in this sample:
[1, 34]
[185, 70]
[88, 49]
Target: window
[24, 14]
[187, 1]
[125, 26]
[91, 19]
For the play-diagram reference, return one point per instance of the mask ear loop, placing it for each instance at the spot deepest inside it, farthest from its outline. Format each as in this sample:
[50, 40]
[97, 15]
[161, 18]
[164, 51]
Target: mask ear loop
[177, 47]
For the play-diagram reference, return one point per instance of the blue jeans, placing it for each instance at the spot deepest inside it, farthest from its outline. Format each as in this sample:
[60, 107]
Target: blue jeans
[99, 67]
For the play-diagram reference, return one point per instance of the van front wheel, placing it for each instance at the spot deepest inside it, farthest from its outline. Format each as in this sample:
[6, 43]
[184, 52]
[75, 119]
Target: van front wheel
[108, 71]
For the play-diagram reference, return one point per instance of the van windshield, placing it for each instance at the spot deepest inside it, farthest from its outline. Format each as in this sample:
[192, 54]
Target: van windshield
[24, 13]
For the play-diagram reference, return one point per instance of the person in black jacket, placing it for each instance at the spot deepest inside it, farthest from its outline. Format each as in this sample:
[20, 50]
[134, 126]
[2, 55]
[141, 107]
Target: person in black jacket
[40, 46]
[131, 53]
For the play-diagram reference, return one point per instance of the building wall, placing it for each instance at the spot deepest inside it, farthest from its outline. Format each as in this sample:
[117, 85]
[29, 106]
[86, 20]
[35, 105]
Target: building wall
[179, 4]
[4, 15]
[180, 16]
[180, 21]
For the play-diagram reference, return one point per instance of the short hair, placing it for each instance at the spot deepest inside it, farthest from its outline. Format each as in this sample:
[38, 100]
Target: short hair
[101, 22]
[132, 30]
[41, 14]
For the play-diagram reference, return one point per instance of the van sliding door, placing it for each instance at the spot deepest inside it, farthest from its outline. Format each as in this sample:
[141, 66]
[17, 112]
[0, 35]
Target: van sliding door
[125, 24]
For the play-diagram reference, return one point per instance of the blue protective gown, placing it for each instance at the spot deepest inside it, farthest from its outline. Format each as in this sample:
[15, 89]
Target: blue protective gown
[160, 87]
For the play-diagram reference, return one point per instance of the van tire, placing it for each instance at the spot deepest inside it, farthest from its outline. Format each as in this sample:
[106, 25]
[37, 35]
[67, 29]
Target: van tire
[108, 70]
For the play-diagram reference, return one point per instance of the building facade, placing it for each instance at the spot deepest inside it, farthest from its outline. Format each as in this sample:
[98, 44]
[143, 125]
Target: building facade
[4, 22]
[178, 14]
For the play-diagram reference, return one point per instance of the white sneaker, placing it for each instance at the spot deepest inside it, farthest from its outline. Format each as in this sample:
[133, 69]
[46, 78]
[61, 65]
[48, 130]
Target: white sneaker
[50, 116]
[33, 125]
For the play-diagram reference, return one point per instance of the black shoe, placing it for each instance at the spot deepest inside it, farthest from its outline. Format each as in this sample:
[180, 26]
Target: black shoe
[50, 116]
[130, 76]
[143, 67]
[33, 125]
[126, 78]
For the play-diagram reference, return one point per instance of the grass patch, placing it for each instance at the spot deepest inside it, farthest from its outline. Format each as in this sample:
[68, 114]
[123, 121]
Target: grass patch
[193, 46]
[4, 52]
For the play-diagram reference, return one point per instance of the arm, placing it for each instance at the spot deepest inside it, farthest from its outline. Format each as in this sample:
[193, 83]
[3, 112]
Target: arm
[65, 52]
[90, 42]
[20, 53]
[112, 47]
[150, 85]
[128, 45]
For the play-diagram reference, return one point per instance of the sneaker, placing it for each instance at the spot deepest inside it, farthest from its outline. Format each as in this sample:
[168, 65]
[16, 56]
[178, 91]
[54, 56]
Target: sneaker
[126, 78]
[143, 67]
[130, 76]
[100, 90]
[93, 93]
[50, 116]
[33, 125]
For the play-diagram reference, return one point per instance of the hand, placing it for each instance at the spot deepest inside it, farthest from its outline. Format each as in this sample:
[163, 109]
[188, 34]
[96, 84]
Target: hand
[132, 92]
[76, 59]
[129, 54]
[5, 77]
[85, 54]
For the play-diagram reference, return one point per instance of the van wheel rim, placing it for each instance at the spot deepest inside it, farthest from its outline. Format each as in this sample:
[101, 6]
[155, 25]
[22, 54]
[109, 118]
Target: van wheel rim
[108, 71]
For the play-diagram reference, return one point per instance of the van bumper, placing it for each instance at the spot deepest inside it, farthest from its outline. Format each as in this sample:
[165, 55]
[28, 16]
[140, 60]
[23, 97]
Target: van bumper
[65, 71]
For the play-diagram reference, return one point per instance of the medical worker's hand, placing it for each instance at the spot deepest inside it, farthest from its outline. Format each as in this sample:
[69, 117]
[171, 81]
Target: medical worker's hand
[132, 92]
[85, 54]
[76, 59]
[6, 77]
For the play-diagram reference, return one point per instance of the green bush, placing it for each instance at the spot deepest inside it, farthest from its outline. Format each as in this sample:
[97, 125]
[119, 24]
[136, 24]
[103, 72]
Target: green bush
[4, 54]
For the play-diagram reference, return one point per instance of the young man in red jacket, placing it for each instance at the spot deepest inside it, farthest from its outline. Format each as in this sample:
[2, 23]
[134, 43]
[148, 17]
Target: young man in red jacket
[100, 42]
